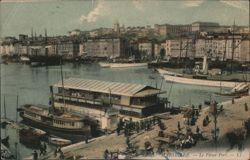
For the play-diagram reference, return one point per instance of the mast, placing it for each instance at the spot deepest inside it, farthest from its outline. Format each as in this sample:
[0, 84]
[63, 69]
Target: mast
[62, 83]
[180, 47]
[4, 107]
[186, 49]
[17, 99]
[232, 58]
[225, 49]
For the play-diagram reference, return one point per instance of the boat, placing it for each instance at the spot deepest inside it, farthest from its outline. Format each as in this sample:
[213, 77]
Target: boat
[165, 72]
[104, 65]
[6, 153]
[240, 90]
[200, 82]
[196, 79]
[24, 59]
[127, 65]
[59, 141]
[31, 137]
[49, 118]
[44, 60]
[122, 65]
[5, 141]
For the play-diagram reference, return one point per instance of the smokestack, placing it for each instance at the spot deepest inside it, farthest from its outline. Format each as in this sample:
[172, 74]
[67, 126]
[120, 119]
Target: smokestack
[32, 33]
[45, 35]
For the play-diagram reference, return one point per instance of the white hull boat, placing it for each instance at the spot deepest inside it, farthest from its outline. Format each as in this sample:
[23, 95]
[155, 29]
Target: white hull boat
[179, 78]
[122, 65]
[200, 82]
[165, 72]
[104, 65]
[59, 141]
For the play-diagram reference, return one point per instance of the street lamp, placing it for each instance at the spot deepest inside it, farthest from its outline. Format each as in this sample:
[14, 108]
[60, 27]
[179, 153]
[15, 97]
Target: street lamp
[215, 131]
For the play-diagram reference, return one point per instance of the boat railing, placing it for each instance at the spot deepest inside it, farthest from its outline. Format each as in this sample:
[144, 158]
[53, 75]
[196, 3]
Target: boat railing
[87, 99]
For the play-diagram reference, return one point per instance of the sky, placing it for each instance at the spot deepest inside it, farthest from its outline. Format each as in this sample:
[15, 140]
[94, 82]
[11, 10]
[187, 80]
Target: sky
[61, 16]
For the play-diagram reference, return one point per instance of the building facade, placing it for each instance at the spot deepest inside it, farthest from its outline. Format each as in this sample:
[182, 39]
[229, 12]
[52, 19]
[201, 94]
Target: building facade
[104, 47]
[167, 30]
[68, 49]
[204, 26]
[222, 48]
[179, 48]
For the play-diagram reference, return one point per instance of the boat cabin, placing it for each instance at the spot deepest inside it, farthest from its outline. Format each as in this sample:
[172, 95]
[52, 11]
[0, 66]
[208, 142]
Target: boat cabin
[97, 97]
[42, 114]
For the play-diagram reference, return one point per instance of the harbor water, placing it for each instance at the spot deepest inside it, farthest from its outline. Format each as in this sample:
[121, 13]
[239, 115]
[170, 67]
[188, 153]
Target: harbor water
[22, 84]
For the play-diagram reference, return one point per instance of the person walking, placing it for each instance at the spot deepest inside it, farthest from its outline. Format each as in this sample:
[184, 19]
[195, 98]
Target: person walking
[246, 107]
[41, 149]
[35, 155]
[200, 107]
[179, 126]
[197, 130]
[106, 154]
[44, 148]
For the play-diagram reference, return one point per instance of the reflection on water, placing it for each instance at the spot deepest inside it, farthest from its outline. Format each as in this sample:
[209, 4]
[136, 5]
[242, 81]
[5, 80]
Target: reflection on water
[32, 85]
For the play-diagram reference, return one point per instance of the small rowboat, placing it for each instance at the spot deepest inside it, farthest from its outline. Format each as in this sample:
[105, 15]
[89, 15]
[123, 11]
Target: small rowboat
[59, 141]
[31, 137]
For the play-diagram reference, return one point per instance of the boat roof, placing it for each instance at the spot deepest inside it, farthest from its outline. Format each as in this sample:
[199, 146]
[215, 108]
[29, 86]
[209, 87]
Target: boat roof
[43, 111]
[117, 88]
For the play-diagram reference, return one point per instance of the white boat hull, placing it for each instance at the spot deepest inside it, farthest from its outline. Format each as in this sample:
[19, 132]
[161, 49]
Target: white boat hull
[121, 65]
[126, 65]
[104, 65]
[200, 82]
[165, 72]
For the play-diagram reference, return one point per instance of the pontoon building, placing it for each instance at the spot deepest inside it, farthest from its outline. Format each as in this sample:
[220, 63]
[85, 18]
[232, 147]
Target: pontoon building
[100, 98]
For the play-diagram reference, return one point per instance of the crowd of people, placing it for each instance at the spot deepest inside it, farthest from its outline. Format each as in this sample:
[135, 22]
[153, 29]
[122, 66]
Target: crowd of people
[43, 151]
[129, 127]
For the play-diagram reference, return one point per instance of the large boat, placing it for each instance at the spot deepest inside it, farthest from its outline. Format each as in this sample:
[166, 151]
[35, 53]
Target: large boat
[196, 80]
[122, 65]
[42, 60]
[53, 119]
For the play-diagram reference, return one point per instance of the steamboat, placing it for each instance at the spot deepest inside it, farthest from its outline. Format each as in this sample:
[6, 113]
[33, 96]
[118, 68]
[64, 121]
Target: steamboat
[48, 118]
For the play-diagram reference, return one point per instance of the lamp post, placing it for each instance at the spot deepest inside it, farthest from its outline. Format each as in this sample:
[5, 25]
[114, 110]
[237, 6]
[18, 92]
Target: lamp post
[215, 131]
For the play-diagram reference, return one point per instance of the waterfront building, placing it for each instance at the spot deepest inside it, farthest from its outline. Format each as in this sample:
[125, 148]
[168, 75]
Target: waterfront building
[146, 47]
[38, 49]
[75, 32]
[204, 26]
[7, 48]
[244, 30]
[100, 32]
[23, 37]
[100, 98]
[168, 30]
[179, 48]
[157, 49]
[104, 47]
[221, 48]
[68, 49]
[21, 49]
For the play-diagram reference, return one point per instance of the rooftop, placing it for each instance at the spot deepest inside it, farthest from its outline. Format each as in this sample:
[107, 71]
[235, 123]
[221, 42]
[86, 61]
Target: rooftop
[117, 88]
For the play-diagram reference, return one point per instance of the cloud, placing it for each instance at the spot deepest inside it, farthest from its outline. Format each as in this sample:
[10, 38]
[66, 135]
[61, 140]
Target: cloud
[193, 3]
[241, 4]
[138, 4]
[94, 14]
